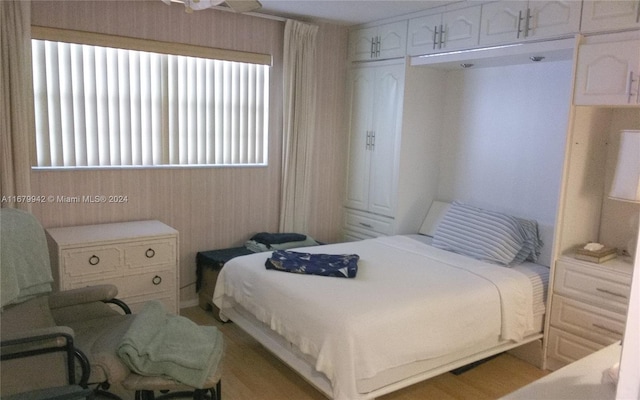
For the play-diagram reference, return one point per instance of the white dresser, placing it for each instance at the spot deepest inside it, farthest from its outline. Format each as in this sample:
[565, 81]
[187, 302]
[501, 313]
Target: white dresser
[140, 258]
[589, 308]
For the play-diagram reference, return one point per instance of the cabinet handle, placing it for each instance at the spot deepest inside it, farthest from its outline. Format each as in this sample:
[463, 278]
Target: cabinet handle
[527, 22]
[373, 47]
[441, 41]
[373, 140]
[378, 46]
[156, 280]
[150, 253]
[519, 24]
[368, 144]
[435, 36]
[611, 293]
[94, 260]
[366, 225]
[630, 87]
[604, 328]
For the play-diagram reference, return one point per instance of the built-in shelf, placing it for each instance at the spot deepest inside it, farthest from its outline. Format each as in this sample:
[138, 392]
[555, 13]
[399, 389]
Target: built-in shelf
[510, 54]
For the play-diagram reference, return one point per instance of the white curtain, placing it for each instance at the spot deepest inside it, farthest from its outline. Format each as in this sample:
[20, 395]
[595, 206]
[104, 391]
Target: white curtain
[16, 106]
[299, 121]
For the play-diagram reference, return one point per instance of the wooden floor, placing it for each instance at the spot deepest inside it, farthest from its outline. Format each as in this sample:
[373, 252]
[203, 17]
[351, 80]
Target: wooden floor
[252, 372]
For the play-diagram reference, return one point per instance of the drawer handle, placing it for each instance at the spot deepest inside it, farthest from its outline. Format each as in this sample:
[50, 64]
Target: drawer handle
[604, 328]
[611, 293]
[94, 260]
[156, 280]
[366, 225]
[150, 253]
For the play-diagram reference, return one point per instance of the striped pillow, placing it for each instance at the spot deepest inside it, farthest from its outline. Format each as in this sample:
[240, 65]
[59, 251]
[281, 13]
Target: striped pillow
[532, 242]
[481, 234]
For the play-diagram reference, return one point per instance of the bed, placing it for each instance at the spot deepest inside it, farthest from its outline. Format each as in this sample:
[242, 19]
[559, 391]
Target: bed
[413, 311]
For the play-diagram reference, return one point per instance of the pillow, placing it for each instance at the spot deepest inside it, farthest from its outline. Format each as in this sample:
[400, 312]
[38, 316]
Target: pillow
[532, 242]
[436, 212]
[481, 234]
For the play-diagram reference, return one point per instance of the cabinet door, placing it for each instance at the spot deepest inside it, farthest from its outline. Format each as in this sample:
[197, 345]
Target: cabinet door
[461, 28]
[553, 18]
[392, 40]
[360, 92]
[502, 22]
[361, 44]
[607, 74]
[422, 37]
[388, 84]
[600, 16]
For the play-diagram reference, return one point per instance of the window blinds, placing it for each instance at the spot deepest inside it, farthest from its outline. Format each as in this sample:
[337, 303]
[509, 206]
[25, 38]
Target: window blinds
[98, 106]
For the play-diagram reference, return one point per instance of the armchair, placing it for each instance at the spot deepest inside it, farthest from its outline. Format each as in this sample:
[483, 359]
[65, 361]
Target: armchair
[88, 323]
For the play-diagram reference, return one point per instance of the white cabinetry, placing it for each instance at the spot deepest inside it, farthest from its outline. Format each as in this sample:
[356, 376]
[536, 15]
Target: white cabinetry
[513, 21]
[375, 95]
[603, 16]
[589, 308]
[608, 74]
[457, 29]
[140, 258]
[379, 42]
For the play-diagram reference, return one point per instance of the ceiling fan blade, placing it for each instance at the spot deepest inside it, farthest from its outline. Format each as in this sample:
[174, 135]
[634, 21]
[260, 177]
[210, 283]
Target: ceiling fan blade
[242, 6]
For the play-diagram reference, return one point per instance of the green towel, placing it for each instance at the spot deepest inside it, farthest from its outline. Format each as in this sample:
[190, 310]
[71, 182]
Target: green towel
[25, 269]
[161, 344]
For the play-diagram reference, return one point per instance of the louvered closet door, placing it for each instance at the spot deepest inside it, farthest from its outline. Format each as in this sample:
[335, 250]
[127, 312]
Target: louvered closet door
[360, 92]
[389, 83]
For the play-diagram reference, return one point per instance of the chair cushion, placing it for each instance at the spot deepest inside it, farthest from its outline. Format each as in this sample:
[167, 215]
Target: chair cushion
[99, 339]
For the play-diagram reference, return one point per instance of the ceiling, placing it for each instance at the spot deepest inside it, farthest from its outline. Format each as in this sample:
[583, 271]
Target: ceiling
[346, 12]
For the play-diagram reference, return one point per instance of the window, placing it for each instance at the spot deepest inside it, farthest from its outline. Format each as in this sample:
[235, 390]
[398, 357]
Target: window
[98, 106]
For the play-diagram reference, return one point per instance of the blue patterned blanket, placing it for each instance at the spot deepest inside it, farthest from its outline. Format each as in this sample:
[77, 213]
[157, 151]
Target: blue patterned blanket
[337, 265]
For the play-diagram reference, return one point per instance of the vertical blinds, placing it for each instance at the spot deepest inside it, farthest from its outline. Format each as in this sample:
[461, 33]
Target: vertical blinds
[100, 106]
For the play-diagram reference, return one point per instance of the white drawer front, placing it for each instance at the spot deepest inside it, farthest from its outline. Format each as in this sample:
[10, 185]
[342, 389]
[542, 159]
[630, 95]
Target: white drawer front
[374, 224]
[595, 286]
[590, 322]
[567, 348]
[150, 253]
[86, 262]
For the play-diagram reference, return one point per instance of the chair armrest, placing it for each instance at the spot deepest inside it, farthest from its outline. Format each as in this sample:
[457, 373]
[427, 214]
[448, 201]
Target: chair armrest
[44, 341]
[83, 295]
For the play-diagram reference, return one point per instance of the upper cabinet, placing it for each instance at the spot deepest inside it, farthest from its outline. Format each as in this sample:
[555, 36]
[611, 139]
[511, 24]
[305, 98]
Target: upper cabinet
[608, 74]
[513, 21]
[379, 42]
[452, 30]
[602, 16]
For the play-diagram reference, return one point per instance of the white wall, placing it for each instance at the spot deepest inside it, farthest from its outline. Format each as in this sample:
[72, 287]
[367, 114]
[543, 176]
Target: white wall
[503, 140]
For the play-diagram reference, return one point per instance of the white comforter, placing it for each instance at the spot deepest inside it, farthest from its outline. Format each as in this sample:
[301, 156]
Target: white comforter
[409, 302]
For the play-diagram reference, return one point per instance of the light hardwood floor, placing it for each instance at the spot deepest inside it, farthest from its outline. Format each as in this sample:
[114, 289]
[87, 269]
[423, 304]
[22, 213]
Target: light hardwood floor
[252, 372]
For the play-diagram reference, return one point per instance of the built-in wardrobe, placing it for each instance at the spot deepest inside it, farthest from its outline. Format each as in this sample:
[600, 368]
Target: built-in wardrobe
[527, 125]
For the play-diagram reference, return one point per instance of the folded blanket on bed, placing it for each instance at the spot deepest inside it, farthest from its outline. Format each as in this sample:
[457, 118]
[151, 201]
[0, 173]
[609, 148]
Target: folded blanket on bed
[160, 344]
[338, 265]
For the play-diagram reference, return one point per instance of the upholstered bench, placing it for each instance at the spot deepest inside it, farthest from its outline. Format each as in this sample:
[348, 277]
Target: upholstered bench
[208, 264]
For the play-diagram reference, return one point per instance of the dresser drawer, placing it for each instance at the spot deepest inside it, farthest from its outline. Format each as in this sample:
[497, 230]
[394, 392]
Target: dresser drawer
[150, 253]
[594, 285]
[567, 348]
[370, 224]
[590, 322]
[99, 261]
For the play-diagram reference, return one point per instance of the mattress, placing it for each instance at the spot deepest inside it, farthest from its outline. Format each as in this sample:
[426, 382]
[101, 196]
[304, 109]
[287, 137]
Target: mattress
[394, 316]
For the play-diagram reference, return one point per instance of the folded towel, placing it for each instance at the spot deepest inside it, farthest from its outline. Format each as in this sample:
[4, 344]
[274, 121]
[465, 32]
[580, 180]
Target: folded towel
[258, 247]
[337, 265]
[160, 344]
[277, 238]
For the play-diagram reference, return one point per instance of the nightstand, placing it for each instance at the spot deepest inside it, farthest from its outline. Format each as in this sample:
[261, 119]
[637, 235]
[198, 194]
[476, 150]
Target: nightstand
[588, 308]
[140, 258]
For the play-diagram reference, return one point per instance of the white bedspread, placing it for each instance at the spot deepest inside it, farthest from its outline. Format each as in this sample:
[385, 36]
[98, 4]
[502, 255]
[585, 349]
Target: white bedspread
[409, 302]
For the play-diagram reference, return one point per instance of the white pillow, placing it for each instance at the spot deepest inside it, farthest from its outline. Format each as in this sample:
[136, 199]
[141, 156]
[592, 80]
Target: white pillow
[436, 212]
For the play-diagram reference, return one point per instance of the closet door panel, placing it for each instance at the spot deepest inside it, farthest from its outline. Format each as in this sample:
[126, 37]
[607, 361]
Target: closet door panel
[361, 103]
